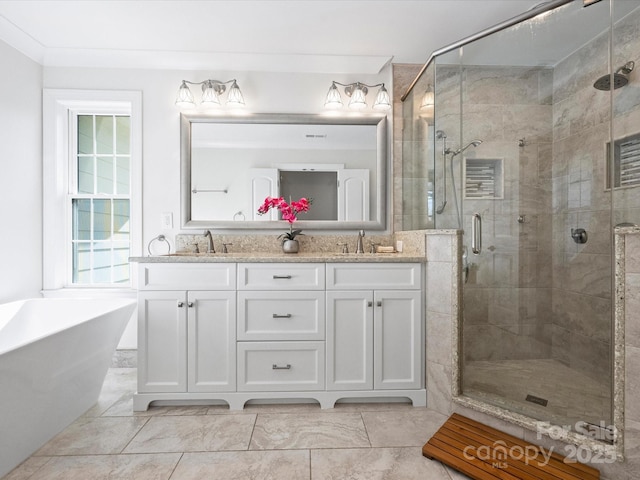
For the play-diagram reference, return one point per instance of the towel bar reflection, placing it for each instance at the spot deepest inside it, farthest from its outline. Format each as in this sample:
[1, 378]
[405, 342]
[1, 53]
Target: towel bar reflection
[222, 190]
[476, 233]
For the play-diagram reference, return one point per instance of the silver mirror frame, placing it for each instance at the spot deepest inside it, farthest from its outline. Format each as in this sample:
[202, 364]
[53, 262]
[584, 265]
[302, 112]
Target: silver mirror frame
[379, 223]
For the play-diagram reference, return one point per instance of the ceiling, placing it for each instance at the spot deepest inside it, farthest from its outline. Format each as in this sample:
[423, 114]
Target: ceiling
[309, 36]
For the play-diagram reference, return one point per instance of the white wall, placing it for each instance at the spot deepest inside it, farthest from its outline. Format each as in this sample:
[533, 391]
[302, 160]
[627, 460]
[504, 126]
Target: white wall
[264, 92]
[20, 176]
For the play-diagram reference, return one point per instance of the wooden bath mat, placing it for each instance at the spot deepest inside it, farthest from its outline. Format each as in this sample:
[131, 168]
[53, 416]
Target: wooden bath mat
[484, 453]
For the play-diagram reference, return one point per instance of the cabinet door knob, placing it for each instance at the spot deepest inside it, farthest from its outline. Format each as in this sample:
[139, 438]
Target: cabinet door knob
[282, 277]
[379, 303]
[190, 304]
[277, 315]
[180, 304]
[369, 304]
[276, 367]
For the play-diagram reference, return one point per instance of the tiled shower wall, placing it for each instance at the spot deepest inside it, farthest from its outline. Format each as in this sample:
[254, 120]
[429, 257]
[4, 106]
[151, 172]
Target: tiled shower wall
[582, 295]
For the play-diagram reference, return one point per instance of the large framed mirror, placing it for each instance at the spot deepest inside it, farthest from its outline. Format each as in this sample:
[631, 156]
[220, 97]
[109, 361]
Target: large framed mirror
[229, 165]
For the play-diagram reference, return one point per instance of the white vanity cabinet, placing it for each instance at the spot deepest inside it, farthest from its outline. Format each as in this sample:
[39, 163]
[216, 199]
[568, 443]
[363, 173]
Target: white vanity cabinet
[239, 331]
[374, 326]
[186, 338]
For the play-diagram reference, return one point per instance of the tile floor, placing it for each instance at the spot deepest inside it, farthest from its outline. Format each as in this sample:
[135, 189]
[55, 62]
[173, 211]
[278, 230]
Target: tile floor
[270, 442]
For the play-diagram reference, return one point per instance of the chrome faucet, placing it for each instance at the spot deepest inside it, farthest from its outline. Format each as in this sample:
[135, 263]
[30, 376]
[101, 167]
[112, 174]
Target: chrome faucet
[210, 247]
[359, 245]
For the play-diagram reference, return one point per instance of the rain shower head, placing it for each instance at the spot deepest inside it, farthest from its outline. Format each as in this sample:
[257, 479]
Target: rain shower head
[620, 78]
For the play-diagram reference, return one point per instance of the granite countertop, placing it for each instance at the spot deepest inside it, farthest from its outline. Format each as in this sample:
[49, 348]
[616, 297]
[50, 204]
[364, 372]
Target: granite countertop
[268, 257]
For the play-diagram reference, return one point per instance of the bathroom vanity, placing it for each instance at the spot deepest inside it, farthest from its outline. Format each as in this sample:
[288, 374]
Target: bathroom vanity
[236, 327]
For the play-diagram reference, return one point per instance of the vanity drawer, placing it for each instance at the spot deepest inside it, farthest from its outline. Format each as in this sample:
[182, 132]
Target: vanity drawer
[268, 315]
[187, 276]
[280, 366]
[371, 276]
[281, 276]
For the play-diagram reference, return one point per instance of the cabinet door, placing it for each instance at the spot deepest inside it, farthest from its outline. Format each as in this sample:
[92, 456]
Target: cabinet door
[397, 339]
[349, 340]
[212, 341]
[162, 341]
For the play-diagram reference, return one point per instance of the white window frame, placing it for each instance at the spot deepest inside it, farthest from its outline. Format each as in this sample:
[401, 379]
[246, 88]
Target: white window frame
[58, 106]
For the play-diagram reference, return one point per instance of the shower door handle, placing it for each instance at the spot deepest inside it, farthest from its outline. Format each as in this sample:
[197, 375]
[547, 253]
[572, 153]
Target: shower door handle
[476, 233]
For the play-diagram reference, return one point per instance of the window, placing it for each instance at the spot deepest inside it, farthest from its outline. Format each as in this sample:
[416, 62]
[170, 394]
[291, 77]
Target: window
[91, 188]
[100, 200]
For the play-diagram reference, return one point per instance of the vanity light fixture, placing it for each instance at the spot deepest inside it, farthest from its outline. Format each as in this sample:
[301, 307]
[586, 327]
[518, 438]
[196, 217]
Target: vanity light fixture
[211, 91]
[427, 104]
[358, 93]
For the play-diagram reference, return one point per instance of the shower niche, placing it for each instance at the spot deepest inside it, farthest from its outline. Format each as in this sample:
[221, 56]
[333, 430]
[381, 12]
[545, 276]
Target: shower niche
[483, 178]
[626, 162]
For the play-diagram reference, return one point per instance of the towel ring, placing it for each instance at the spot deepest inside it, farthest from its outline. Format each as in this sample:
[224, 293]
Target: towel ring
[239, 216]
[160, 238]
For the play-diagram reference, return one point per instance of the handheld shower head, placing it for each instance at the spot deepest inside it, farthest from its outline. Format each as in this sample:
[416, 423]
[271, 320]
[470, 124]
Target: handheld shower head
[440, 134]
[473, 143]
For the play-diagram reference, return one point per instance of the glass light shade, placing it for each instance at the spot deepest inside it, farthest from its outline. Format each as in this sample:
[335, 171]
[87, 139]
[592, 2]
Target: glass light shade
[428, 99]
[334, 100]
[358, 99]
[235, 98]
[382, 102]
[210, 96]
[185, 97]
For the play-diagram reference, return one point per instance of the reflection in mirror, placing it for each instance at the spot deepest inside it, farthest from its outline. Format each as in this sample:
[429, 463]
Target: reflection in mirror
[230, 165]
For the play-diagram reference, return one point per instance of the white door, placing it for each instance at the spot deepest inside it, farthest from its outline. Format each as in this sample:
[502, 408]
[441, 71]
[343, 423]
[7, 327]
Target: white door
[212, 341]
[353, 195]
[162, 341]
[349, 340]
[397, 339]
[263, 184]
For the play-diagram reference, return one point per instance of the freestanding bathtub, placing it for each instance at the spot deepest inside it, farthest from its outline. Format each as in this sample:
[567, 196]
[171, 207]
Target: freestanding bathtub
[54, 356]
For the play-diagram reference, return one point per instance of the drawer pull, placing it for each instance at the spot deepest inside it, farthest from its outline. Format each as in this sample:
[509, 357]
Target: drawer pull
[276, 367]
[277, 315]
[282, 277]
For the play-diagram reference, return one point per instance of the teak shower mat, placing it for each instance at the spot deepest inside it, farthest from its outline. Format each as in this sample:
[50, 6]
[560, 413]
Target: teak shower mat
[484, 453]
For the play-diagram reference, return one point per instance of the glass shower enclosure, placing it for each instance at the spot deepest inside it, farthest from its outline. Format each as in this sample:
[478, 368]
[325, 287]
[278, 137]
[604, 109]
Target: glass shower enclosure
[531, 146]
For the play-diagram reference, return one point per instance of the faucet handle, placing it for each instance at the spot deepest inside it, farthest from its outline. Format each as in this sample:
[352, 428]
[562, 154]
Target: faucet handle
[373, 247]
[224, 247]
[197, 249]
[345, 247]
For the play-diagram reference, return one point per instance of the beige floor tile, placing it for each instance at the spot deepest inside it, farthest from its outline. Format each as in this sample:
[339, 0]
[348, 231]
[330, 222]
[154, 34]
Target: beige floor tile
[109, 467]
[250, 465]
[375, 464]
[311, 430]
[455, 475]
[27, 468]
[200, 433]
[88, 436]
[404, 428]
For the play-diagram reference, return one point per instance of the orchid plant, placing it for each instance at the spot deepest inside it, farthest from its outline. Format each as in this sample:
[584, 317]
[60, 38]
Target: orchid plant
[289, 212]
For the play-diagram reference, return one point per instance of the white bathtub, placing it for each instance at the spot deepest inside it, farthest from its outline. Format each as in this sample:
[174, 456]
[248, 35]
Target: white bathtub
[54, 355]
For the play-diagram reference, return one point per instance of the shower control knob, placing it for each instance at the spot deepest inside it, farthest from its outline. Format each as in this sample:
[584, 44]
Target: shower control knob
[579, 235]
